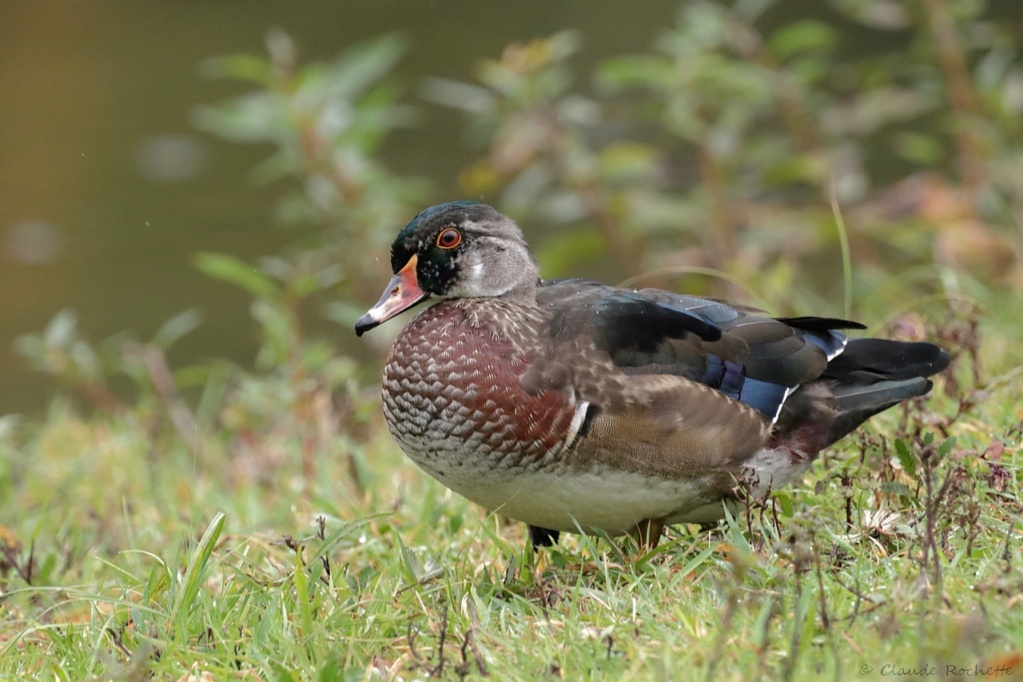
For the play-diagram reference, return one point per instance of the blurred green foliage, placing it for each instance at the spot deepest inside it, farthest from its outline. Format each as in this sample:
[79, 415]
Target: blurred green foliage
[747, 141]
[326, 123]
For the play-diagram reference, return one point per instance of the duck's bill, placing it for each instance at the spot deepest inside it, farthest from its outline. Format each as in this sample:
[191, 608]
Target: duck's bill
[402, 293]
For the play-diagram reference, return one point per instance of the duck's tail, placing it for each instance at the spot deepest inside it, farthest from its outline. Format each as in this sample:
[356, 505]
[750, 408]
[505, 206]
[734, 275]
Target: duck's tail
[872, 375]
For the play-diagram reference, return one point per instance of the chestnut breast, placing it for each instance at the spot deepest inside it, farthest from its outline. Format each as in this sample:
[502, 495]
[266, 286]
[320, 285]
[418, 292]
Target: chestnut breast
[454, 399]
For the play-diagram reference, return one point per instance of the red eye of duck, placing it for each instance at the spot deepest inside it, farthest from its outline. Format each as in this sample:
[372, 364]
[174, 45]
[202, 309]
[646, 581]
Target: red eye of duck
[449, 238]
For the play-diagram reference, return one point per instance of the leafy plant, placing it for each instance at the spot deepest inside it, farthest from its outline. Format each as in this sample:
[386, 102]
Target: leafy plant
[756, 142]
[92, 371]
[327, 123]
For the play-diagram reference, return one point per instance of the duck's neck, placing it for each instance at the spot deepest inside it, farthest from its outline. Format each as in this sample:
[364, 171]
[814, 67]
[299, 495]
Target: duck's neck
[516, 319]
[497, 269]
[523, 294]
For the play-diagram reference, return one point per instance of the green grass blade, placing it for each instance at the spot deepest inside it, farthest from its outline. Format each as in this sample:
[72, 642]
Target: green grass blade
[195, 573]
[843, 241]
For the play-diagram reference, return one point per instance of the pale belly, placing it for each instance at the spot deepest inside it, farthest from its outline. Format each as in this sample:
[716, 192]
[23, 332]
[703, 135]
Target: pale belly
[599, 500]
[596, 501]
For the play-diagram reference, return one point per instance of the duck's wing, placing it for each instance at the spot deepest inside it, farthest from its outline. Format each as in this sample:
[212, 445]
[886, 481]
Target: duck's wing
[737, 351]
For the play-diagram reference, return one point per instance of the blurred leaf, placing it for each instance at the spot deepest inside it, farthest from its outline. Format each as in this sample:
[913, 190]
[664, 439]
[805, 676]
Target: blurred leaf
[564, 44]
[629, 160]
[279, 268]
[799, 168]
[8, 427]
[751, 10]
[702, 27]
[277, 333]
[375, 116]
[531, 71]
[307, 283]
[885, 14]
[256, 117]
[175, 328]
[61, 329]
[344, 313]
[234, 270]
[635, 71]
[244, 67]
[802, 36]
[811, 72]
[919, 147]
[361, 66]
[879, 107]
[276, 167]
[471, 99]
[998, 67]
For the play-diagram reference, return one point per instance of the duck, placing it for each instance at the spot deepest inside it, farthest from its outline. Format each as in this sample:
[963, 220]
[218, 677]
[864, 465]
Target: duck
[576, 406]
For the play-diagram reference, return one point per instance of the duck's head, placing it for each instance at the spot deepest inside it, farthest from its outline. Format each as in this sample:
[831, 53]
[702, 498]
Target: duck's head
[461, 249]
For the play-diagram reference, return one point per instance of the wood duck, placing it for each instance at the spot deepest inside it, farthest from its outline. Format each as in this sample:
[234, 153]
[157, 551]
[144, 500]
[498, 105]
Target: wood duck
[577, 406]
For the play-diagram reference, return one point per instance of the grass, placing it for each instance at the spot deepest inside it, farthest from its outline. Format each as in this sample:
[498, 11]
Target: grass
[128, 553]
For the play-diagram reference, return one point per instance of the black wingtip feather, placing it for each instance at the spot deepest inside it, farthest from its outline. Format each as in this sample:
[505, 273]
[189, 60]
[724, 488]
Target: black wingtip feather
[875, 374]
[820, 324]
[893, 360]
